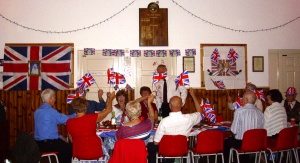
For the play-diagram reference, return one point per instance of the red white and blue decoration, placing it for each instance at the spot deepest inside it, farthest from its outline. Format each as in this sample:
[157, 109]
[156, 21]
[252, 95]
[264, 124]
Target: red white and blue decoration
[108, 52]
[110, 74]
[174, 52]
[149, 53]
[158, 76]
[70, 97]
[209, 112]
[232, 55]
[190, 52]
[89, 51]
[135, 53]
[161, 53]
[54, 70]
[259, 94]
[219, 84]
[119, 52]
[182, 79]
[86, 81]
[239, 102]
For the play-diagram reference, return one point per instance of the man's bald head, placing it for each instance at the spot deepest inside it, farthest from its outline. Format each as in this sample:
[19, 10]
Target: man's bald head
[175, 104]
[249, 97]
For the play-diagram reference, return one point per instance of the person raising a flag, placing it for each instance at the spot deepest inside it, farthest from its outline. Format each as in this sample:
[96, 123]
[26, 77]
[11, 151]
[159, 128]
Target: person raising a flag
[166, 88]
[249, 88]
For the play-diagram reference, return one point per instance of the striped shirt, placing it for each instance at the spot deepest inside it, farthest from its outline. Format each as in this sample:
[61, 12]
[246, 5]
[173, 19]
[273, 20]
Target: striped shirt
[139, 131]
[246, 118]
[275, 118]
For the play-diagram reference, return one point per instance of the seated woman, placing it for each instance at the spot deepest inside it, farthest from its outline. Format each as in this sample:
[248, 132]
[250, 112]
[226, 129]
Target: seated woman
[135, 128]
[145, 92]
[81, 129]
[119, 108]
[275, 114]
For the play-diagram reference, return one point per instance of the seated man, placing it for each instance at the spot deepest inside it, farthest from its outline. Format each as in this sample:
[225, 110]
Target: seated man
[249, 88]
[93, 105]
[177, 123]
[245, 118]
[291, 105]
[46, 119]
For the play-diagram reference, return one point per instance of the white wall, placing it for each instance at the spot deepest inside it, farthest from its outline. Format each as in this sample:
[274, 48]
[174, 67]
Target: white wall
[185, 31]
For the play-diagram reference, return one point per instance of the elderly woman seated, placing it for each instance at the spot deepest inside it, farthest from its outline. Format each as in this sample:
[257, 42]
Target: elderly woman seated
[136, 128]
[81, 129]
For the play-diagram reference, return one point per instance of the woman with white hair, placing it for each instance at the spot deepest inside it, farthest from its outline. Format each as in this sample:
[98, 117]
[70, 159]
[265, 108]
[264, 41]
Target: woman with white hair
[136, 128]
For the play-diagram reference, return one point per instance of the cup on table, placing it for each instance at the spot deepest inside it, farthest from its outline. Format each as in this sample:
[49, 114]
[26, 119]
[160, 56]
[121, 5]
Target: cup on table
[292, 121]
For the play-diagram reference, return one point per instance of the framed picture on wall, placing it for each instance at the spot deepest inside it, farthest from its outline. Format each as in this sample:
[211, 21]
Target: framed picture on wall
[188, 64]
[34, 68]
[223, 63]
[258, 64]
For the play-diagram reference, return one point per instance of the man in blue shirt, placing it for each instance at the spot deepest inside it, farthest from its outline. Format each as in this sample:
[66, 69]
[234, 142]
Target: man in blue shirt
[46, 119]
[93, 105]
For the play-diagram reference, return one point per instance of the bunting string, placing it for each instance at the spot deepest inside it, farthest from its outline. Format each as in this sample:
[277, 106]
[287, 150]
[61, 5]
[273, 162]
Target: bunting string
[68, 31]
[126, 7]
[232, 29]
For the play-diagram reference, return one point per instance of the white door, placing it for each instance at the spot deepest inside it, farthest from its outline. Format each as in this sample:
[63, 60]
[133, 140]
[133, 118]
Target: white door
[284, 70]
[146, 67]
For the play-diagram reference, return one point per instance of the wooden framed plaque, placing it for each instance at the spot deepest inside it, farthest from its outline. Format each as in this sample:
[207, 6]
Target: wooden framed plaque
[153, 26]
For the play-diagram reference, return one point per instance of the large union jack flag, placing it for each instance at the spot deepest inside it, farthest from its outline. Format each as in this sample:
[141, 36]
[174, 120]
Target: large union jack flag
[70, 97]
[55, 67]
[86, 81]
[158, 76]
[182, 79]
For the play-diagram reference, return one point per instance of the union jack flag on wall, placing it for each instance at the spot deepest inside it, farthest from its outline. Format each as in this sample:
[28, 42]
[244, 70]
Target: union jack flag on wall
[161, 53]
[174, 52]
[89, 51]
[149, 53]
[219, 84]
[182, 79]
[232, 55]
[86, 81]
[215, 56]
[190, 52]
[135, 53]
[120, 52]
[54, 73]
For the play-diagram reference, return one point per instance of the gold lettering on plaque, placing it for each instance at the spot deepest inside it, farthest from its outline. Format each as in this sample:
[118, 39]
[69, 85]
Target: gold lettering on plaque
[153, 26]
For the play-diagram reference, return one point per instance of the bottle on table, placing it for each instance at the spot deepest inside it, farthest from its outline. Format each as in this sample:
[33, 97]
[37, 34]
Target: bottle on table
[113, 120]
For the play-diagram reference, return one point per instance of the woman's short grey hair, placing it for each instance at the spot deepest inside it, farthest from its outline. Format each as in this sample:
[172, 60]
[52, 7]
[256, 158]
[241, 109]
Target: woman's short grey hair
[46, 94]
[133, 110]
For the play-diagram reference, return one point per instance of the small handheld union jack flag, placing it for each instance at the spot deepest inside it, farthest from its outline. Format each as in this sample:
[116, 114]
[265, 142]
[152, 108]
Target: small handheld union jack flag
[238, 102]
[118, 79]
[182, 79]
[110, 74]
[259, 94]
[215, 56]
[158, 76]
[232, 55]
[209, 112]
[219, 84]
[86, 81]
[70, 97]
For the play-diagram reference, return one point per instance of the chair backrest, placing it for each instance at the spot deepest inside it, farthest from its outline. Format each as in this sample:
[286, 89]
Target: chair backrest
[173, 145]
[254, 140]
[128, 151]
[210, 141]
[287, 138]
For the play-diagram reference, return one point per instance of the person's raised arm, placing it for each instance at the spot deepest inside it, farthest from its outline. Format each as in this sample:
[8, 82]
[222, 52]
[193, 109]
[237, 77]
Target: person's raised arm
[141, 99]
[151, 111]
[108, 109]
[196, 102]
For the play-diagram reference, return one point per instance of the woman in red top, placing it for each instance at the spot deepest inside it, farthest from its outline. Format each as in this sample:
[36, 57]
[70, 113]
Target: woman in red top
[146, 92]
[81, 129]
